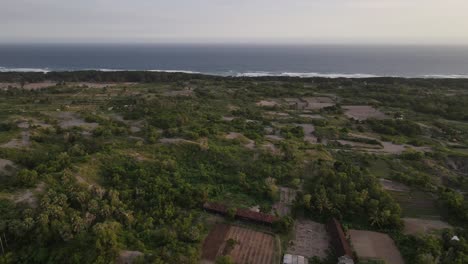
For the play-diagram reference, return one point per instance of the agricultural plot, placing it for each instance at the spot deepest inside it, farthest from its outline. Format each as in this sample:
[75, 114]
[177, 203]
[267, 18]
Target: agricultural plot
[241, 244]
[363, 112]
[317, 103]
[374, 245]
[414, 226]
[393, 186]
[417, 204]
[310, 239]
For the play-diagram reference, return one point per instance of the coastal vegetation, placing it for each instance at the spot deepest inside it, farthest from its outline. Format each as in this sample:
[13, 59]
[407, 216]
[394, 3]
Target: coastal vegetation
[105, 162]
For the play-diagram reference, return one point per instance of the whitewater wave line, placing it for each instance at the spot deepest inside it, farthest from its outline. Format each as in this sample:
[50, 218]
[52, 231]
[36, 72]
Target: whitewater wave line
[251, 74]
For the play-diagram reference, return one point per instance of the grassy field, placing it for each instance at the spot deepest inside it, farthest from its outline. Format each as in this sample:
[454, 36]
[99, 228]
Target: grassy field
[417, 204]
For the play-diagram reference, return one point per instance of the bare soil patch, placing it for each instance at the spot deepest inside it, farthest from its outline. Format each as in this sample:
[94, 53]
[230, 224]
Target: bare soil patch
[128, 257]
[308, 133]
[317, 103]
[394, 186]
[28, 86]
[357, 144]
[176, 141]
[375, 245]
[7, 167]
[228, 118]
[296, 103]
[23, 142]
[70, 119]
[310, 239]
[274, 137]
[250, 246]
[248, 143]
[310, 116]
[29, 195]
[280, 115]
[385, 148]
[363, 112]
[414, 226]
[267, 103]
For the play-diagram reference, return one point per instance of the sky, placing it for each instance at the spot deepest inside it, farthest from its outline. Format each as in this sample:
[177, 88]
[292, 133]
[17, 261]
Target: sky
[235, 21]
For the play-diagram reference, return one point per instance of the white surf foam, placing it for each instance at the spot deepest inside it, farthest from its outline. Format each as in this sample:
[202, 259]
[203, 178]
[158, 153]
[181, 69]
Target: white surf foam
[4, 69]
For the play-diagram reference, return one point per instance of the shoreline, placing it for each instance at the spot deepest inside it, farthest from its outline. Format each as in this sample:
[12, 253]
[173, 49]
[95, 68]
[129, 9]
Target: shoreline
[246, 74]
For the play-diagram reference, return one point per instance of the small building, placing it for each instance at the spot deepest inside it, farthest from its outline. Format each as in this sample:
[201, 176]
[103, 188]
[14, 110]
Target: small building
[339, 242]
[294, 259]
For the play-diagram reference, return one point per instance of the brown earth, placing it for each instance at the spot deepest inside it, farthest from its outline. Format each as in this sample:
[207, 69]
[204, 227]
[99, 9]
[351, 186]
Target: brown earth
[363, 112]
[374, 245]
[393, 186]
[415, 226]
[250, 246]
[310, 239]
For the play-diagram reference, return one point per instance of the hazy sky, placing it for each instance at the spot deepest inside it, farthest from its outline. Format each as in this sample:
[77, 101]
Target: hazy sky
[294, 21]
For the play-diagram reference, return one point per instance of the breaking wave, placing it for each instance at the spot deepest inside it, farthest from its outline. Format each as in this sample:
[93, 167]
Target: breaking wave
[252, 74]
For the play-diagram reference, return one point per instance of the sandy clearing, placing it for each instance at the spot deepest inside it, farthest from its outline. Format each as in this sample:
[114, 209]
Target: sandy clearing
[71, 119]
[29, 195]
[310, 239]
[387, 147]
[277, 114]
[176, 141]
[310, 116]
[375, 245]
[135, 125]
[267, 103]
[29, 86]
[393, 186]
[227, 118]
[317, 103]
[414, 226]
[363, 112]
[274, 137]
[296, 103]
[7, 167]
[248, 143]
[128, 257]
[23, 142]
[308, 132]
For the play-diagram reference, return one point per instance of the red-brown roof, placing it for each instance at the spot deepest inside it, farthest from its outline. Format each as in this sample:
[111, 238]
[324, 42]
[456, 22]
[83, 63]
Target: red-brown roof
[255, 216]
[241, 213]
[338, 239]
[219, 208]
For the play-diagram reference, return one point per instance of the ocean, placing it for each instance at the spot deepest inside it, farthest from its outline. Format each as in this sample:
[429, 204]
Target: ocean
[243, 60]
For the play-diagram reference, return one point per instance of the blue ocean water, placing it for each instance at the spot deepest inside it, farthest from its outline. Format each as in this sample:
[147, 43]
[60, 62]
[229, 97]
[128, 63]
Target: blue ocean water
[243, 60]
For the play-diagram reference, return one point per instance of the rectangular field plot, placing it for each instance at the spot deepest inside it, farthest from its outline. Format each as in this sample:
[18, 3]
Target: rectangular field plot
[417, 204]
[241, 244]
[310, 239]
[374, 245]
